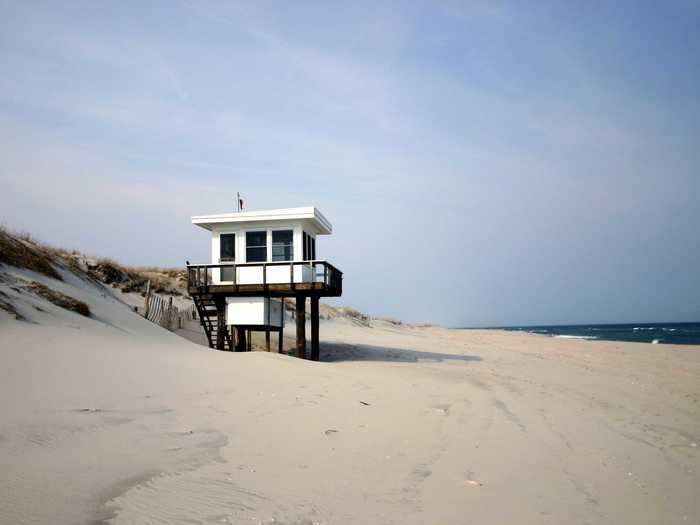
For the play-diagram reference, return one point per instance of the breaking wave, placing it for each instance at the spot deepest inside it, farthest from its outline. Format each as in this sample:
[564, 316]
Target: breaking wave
[656, 333]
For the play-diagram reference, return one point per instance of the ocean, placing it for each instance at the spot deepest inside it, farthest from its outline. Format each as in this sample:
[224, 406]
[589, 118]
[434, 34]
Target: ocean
[657, 333]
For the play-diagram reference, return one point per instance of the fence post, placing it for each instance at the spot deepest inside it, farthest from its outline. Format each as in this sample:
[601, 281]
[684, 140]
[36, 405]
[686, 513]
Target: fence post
[169, 318]
[161, 310]
[147, 303]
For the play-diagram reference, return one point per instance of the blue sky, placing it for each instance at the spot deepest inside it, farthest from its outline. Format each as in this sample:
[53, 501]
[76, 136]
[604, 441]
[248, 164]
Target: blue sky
[483, 163]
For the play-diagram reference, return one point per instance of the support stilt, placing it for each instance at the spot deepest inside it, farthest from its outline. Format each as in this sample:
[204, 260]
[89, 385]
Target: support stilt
[220, 323]
[301, 326]
[281, 332]
[315, 352]
[240, 340]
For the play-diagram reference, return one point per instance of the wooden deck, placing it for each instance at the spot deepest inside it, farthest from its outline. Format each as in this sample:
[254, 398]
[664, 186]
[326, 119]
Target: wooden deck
[269, 290]
[326, 280]
[312, 279]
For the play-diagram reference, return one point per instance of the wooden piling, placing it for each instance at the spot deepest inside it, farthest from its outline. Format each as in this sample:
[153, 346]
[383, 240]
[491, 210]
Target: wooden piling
[267, 324]
[241, 344]
[301, 326]
[220, 322]
[315, 350]
[281, 332]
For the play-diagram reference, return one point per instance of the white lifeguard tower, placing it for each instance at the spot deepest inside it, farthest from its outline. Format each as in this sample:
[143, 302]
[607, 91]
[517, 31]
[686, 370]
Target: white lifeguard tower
[258, 258]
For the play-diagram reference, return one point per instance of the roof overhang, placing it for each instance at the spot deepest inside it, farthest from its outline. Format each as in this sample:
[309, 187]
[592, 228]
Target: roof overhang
[309, 213]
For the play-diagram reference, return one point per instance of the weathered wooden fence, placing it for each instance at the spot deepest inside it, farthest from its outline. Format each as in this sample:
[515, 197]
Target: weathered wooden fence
[161, 311]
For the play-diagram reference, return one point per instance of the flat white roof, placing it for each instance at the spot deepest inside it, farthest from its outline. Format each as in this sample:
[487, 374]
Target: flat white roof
[309, 213]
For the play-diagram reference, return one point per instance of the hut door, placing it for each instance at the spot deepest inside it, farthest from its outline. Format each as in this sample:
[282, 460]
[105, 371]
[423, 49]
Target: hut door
[227, 254]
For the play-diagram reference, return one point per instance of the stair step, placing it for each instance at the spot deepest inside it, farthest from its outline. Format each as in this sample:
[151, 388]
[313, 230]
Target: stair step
[208, 317]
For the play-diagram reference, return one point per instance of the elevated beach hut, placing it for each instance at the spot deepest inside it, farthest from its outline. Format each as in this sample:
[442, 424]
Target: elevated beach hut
[257, 259]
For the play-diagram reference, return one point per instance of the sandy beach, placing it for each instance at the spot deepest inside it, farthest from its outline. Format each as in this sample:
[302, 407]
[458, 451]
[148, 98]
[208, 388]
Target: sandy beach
[246, 249]
[111, 419]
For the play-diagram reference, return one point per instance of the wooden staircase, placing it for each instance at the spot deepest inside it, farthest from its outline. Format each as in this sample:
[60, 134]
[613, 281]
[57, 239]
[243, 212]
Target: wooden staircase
[213, 319]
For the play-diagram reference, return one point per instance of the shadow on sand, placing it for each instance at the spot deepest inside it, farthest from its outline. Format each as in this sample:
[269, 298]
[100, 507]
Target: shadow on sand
[338, 352]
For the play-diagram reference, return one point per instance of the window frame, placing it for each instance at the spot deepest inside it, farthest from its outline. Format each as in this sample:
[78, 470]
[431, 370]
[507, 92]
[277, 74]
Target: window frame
[228, 259]
[309, 245]
[290, 244]
[265, 245]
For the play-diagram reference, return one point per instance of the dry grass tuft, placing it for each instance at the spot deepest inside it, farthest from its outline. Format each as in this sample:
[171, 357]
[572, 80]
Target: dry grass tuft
[353, 314]
[108, 271]
[23, 252]
[389, 320]
[59, 299]
[134, 279]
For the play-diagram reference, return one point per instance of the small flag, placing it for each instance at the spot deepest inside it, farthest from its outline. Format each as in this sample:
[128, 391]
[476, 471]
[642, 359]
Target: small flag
[240, 202]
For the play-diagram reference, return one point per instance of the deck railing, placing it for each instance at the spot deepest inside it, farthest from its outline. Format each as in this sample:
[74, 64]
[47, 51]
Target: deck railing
[203, 275]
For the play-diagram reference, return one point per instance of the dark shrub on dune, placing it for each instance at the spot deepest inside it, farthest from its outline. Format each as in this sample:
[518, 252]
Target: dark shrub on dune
[59, 299]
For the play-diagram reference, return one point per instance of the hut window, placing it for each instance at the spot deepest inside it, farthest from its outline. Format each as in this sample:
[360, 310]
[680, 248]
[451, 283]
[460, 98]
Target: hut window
[282, 245]
[227, 253]
[256, 246]
[309, 247]
[227, 247]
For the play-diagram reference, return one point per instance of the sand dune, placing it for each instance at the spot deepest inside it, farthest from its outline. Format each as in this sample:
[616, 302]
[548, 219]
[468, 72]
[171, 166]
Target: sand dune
[113, 419]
